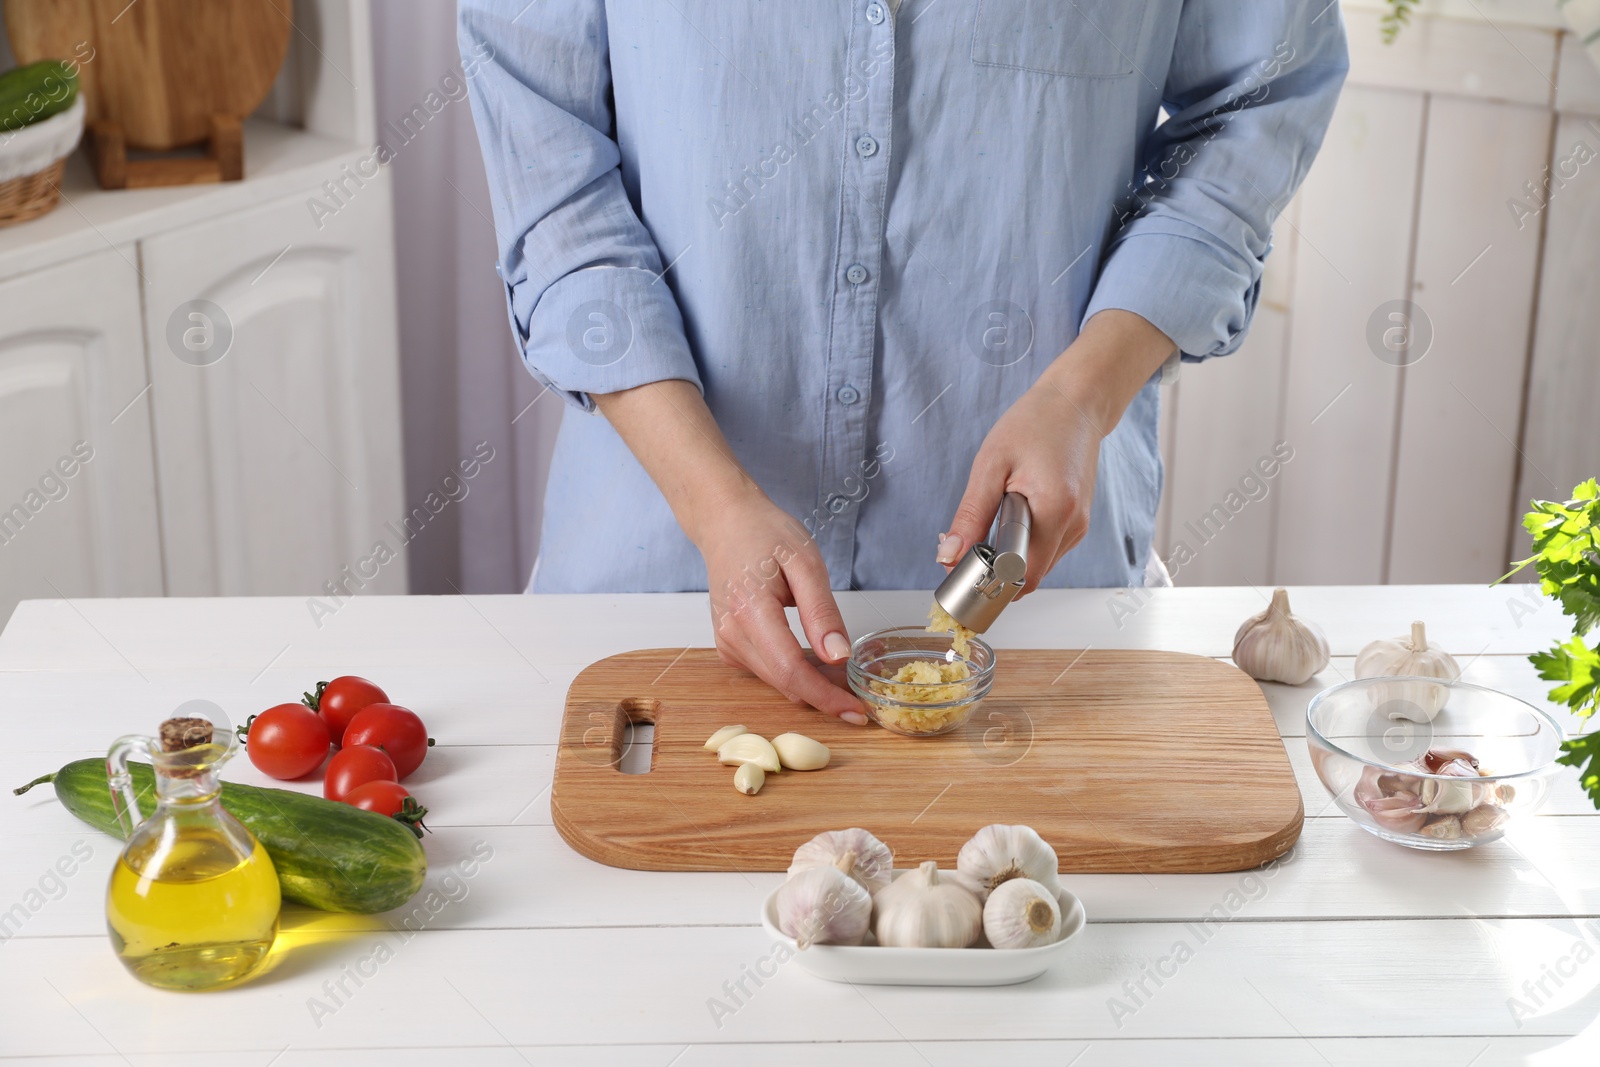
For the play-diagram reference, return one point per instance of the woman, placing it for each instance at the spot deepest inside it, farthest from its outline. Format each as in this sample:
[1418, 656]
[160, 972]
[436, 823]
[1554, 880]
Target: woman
[834, 272]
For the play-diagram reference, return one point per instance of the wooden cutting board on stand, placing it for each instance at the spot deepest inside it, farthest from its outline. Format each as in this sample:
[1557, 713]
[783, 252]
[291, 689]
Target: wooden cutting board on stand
[159, 75]
[1125, 761]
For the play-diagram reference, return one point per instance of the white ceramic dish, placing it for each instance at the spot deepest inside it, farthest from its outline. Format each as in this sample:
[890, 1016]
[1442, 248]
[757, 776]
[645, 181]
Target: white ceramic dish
[875, 965]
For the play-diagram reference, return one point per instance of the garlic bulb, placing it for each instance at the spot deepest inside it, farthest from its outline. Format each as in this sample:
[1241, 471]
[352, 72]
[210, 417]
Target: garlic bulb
[999, 853]
[824, 906]
[925, 908]
[1022, 913]
[1277, 646]
[873, 865]
[1417, 701]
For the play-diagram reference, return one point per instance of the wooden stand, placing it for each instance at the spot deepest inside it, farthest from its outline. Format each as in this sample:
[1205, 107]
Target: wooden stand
[223, 161]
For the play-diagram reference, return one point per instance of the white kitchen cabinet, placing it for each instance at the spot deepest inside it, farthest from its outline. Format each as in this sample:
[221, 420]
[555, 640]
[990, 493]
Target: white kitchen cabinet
[280, 460]
[1424, 191]
[77, 485]
[268, 471]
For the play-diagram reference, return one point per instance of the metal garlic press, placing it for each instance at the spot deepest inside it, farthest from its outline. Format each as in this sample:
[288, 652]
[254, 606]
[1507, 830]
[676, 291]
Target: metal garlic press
[990, 575]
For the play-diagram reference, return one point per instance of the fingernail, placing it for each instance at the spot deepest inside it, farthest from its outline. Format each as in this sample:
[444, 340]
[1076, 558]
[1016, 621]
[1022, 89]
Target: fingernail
[949, 545]
[855, 717]
[836, 646]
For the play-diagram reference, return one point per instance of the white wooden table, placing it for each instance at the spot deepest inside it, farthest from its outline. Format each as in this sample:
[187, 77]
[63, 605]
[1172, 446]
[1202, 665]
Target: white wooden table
[1353, 950]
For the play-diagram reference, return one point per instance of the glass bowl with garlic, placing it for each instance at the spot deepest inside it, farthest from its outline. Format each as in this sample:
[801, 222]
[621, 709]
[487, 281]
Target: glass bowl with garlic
[1430, 763]
[919, 683]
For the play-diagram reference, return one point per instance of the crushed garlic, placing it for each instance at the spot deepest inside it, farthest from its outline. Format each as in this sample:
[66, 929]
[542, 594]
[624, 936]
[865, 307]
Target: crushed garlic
[927, 681]
[940, 621]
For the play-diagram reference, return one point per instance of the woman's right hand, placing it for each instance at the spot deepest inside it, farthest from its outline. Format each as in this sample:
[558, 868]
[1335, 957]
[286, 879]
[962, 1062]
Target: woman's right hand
[760, 560]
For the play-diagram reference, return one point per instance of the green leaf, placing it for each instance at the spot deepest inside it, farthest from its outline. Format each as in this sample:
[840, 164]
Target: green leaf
[1398, 15]
[1566, 555]
[1584, 754]
[1578, 666]
[1566, 552]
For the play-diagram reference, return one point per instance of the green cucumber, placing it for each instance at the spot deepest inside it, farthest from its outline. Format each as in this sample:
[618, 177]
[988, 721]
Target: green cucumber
[328, 855]
[33, 93]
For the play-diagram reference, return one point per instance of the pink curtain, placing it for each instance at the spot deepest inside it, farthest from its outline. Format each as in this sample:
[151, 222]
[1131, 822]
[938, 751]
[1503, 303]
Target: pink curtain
[461, 381]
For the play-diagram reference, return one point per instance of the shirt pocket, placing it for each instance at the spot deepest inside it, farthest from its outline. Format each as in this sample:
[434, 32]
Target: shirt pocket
[1073, 38]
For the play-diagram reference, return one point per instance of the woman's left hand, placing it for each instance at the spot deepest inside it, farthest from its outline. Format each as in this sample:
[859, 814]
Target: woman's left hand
[1047, 444]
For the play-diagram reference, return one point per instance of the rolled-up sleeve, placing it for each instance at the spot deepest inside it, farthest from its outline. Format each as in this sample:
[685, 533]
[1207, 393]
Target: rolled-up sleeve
[589, 308]
[1249, 95]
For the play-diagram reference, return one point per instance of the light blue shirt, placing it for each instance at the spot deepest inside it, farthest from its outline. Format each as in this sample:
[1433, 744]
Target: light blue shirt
[864, 232]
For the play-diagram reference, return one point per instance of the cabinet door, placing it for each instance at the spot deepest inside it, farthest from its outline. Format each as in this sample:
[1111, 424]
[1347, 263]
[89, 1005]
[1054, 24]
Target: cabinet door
[77, 481]
[273, 353]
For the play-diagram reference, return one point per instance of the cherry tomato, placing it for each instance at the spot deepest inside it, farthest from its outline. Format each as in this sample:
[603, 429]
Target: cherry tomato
[394, 729]
[356, 765]
[339, 700]
[391, 799]
[286, 741]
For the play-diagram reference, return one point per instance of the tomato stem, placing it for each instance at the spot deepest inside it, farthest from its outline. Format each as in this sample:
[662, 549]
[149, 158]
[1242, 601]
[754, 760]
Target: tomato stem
[243, 732]
[314, 700]
[410, 816]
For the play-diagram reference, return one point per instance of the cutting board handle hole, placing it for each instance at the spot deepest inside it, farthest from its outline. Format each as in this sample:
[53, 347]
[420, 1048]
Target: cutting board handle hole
[638, 749]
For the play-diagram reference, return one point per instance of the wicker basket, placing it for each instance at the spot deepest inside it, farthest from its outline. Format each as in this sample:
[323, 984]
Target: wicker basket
[31, 195]
[32, 160]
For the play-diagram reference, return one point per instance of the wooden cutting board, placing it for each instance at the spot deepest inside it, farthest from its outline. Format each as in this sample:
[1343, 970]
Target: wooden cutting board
[1124, 760]
[162, 70]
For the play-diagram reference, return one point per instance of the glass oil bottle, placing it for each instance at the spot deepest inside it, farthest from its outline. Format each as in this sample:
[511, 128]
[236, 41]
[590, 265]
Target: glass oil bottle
[193, 900]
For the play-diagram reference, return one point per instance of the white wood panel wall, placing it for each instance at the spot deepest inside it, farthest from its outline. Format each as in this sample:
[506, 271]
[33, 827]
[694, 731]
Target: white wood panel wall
[1420, 472]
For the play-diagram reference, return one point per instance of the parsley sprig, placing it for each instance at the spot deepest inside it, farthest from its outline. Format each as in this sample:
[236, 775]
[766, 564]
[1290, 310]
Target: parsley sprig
[1566, 555]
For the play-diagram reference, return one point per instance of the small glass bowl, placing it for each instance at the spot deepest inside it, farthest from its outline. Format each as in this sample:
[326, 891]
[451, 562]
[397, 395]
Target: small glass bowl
[1363, 734]
[877, 657]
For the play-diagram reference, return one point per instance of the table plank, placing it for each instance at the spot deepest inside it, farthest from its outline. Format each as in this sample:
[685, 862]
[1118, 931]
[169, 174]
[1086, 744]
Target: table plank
[466, 633]
[532, 880]
[661, 985]
[1223, 1052]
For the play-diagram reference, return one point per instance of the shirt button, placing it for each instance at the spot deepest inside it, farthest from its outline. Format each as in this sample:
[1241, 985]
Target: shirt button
[867, 146]
[855, 274]
[875, 13]
[837, 503]
[849, 395]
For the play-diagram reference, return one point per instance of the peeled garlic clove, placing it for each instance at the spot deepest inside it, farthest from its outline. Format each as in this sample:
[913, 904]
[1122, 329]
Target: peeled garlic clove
[998, 853]
[1483, 819]
[824, 906]
[749, 748]
[1021, 913]
[723, 736]
[1277, 646]
[927, 908]
[749, 779]
[798, 752]
[873, 865]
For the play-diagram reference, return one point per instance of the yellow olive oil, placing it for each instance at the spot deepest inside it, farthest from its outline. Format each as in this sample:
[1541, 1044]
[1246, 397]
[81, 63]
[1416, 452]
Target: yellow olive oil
[186, 912]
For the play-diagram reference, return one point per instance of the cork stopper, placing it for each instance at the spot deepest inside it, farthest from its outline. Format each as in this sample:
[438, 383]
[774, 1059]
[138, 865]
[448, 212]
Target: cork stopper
[179, 734]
